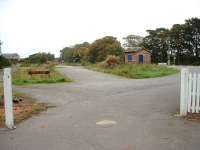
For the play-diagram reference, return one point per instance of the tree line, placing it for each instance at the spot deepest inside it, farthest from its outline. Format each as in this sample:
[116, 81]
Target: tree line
[94, 52]
[181, 42]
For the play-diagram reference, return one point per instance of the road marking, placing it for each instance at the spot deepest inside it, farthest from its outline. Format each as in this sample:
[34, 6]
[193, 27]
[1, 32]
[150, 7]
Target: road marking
[106, 123]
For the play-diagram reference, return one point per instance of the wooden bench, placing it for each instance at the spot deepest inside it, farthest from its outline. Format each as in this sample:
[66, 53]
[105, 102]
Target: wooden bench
[32, 72]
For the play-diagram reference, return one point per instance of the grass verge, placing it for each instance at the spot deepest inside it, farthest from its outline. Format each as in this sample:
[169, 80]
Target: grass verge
[135, 71]
[21, 77]
[23, 108]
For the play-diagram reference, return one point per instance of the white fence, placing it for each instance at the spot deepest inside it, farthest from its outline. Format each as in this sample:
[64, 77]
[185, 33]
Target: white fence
[190, 92]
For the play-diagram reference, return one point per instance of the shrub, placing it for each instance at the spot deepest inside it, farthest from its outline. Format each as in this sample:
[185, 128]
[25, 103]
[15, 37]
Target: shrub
[4, 62]
[111, 61]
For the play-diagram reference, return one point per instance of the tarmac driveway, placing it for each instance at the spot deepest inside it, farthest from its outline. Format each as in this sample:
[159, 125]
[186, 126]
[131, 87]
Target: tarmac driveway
[143, 111]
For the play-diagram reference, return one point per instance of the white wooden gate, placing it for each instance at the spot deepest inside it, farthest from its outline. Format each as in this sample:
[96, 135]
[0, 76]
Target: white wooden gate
[190, 92]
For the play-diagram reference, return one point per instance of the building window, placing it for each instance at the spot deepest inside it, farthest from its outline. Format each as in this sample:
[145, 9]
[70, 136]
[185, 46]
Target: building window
[130, 57]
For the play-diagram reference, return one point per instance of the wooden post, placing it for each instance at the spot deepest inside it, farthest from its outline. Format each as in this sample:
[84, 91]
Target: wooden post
[8, 102]
[184, 92]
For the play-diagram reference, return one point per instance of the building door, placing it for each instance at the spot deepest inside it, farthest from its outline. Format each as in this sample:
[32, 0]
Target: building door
[141, 59]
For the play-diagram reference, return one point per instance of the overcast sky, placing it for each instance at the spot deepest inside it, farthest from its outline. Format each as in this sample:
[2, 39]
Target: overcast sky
[29, 26]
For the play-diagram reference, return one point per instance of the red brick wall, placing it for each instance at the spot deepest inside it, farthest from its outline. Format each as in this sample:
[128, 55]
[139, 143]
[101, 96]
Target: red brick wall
[146, 55]
[135, 56]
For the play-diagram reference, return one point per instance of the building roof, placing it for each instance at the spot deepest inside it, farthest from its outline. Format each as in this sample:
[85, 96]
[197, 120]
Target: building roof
[11, 55]
[135, 49]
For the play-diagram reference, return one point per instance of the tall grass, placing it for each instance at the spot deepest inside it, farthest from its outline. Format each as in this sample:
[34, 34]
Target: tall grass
[135, 71]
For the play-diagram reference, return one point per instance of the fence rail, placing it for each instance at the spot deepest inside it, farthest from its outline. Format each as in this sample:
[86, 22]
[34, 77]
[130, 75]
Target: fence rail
[190, 92]
[193, 97]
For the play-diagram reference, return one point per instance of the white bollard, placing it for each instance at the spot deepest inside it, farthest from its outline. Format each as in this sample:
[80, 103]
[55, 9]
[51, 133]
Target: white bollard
[184, 91]
[8, 101]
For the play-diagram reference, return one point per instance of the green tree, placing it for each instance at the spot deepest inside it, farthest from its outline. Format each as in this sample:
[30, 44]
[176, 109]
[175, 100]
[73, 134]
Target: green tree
[66, 54]
[192, 30]
[156, 42]
[103, 47]
[132, 41]
[177, 42]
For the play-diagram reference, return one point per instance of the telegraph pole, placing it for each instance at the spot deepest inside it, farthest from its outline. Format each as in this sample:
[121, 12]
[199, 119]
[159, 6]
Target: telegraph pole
[168, 51]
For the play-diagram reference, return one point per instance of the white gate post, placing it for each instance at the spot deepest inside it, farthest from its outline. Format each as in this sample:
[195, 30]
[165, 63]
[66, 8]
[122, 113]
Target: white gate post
[184, 91]
[8, 101]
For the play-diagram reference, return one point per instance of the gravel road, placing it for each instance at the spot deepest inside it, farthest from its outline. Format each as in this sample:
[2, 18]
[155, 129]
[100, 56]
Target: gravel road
[142, 112]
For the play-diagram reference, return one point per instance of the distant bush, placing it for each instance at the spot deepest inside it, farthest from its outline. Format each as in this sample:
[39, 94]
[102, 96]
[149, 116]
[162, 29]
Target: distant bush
[40, 58]
[111, 61]
[4, 62]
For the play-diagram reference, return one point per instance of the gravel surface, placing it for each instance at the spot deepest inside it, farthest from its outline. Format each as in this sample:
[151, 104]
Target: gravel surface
[142, 113]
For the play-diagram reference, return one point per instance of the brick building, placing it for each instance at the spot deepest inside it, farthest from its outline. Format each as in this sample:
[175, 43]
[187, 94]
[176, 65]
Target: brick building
[137, 55]
[12, 56]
